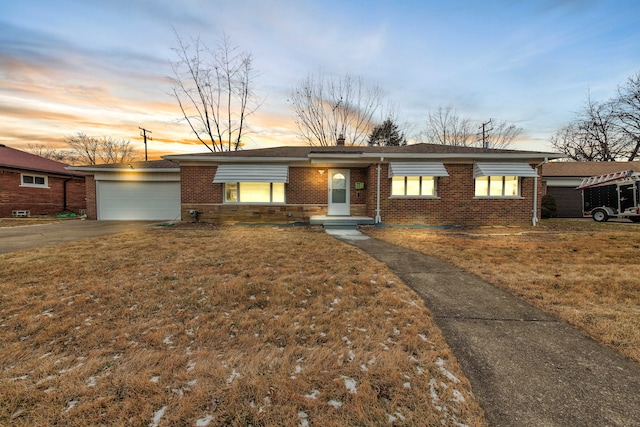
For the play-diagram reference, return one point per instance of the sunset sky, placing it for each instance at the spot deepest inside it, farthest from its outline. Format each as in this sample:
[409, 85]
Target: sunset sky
[101, 66]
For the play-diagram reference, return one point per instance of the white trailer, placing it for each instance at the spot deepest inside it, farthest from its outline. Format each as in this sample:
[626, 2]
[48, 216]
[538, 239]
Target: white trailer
[614, 195]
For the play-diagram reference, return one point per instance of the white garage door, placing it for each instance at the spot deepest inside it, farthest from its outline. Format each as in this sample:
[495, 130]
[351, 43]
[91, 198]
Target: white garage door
[120, 200]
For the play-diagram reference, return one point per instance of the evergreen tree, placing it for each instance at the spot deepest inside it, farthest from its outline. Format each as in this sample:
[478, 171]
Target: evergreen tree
[387, 134]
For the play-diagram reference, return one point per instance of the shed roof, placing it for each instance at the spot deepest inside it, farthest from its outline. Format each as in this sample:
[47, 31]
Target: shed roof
[21, 160]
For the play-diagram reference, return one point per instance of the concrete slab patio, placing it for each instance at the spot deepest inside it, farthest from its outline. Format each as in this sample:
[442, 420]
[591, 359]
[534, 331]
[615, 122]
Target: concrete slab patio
[526, 368]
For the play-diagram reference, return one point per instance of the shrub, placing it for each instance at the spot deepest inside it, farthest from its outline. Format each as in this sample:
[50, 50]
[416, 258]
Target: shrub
[549, 208]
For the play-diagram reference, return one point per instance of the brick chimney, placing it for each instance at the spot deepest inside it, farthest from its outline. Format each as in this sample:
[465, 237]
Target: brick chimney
[340, 140]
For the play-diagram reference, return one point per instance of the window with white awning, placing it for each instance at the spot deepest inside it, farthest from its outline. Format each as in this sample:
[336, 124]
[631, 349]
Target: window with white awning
[251, 173]
[253, 183]
[410, 179]
[500, 179]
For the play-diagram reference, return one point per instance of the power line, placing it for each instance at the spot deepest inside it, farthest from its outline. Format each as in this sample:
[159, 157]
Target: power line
[485, 134]
[144, 135]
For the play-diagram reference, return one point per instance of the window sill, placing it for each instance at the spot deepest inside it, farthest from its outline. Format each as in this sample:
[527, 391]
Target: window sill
[498, 197]
[254, 203]
[34, 186]
[415, 197]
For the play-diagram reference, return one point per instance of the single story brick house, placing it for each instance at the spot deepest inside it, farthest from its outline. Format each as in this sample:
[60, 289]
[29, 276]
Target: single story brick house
[413, 184]
[31, 185]
[562, 179]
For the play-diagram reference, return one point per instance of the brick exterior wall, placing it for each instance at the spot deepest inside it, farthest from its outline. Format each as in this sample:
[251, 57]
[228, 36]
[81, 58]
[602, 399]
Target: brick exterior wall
[455, 203]
[307, 195]
[40, 201]
[92, 203]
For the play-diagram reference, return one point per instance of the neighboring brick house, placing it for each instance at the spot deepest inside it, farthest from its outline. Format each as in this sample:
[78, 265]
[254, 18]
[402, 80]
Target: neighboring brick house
[32, 185]
[414, 184]
[563, 178]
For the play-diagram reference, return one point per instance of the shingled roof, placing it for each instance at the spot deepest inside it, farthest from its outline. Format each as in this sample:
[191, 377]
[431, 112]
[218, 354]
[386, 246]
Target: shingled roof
[586, 169]
[303, 152]
[21, 160]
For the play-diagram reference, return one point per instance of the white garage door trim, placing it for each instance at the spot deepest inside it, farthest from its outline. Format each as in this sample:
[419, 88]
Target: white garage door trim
[138, 200]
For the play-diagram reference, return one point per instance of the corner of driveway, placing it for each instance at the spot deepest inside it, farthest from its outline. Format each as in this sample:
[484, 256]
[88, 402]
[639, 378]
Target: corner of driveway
[38, 235]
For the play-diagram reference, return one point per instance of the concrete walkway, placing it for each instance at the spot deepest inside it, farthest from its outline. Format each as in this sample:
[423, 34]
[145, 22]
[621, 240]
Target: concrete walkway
[526, 368]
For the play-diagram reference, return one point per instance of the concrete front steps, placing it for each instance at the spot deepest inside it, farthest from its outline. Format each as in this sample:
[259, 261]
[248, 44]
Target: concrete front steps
[340, 222]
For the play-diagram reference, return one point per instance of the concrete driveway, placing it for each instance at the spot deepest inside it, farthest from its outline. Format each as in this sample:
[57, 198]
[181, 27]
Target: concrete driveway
[38, 235]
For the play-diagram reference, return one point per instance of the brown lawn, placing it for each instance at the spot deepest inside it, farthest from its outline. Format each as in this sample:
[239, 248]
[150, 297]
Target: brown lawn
[197, 325]
[583, 272]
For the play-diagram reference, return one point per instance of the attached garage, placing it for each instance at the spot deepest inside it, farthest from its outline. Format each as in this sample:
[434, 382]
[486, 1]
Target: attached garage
[133, 191]
[144, 200]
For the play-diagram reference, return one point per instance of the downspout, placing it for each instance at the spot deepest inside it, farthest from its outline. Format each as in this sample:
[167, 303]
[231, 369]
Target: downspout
[378, 220]
[535, 220]
[64, 194]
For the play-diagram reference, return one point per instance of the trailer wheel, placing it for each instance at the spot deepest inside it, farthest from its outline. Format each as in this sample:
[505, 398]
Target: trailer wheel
[600, 215]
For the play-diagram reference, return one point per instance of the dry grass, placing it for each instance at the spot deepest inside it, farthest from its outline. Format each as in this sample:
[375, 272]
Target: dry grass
[196, 325]
[583, 272]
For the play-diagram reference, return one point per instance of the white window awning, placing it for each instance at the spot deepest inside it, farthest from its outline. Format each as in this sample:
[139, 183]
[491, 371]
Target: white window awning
[503, 169]
[251, 173]
[417, 169]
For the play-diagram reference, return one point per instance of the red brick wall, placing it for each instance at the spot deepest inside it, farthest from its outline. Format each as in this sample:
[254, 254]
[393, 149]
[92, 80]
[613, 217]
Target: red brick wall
[92, 204]
[196, 185]
[455, 203]
[307, 195]
[40, 201]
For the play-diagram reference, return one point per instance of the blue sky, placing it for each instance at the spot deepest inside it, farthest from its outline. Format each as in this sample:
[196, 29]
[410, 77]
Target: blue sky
[101, 67]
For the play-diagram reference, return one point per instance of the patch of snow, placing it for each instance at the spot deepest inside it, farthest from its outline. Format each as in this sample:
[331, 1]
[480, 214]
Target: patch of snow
[155, 380]
[432, 391]
[91, 381]
[457, 396]
[391, 419]
[71, 405]
[446, 373]
[191, 366]
[167, 340]
[157, 416]
[351, 356]
[302, 416]
[313, 395]
[335, 403]
[407, 385]
[233, 376]
[350, 385]
[346, 340]
[203, 422]
[423, 337]
[298, 369]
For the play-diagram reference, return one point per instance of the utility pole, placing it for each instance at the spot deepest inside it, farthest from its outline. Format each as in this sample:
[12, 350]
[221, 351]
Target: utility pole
[485, 132]
[144, 135]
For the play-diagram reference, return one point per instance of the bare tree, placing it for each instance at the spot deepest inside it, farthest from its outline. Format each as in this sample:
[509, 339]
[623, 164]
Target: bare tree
[214, 89]
[628, 111]
[92, 151]
[64, 156]
[447, 127]
[595, 134]
[326, 106]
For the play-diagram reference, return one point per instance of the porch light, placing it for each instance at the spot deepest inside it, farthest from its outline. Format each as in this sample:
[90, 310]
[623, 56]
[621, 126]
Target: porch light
[321, 171]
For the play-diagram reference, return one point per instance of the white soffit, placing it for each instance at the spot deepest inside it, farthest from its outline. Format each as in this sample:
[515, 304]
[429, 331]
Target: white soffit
[503, 169]
[417, 169]
[251, 173]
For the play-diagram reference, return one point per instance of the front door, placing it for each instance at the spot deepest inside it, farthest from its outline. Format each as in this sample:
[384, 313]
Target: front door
[339, 192]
